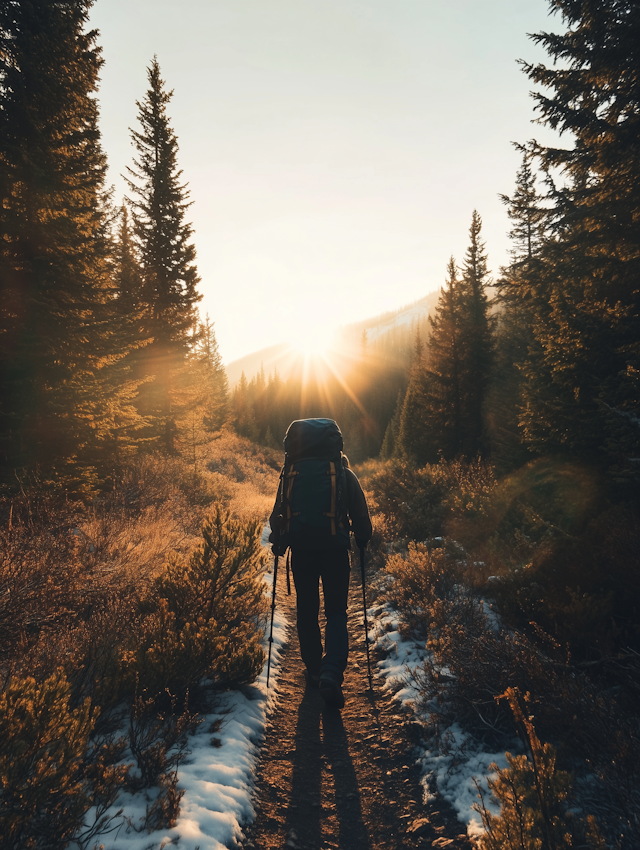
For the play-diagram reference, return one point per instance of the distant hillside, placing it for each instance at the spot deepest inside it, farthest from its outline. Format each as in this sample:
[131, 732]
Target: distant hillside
[403, 318]
[283, 357]
[270, 358]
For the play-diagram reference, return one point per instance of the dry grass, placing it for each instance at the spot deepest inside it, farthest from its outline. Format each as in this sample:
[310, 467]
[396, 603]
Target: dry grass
[248, 473]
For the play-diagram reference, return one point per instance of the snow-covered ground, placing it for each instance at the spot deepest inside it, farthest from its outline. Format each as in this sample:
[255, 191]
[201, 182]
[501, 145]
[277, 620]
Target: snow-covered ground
[452, 762]
[217, 780]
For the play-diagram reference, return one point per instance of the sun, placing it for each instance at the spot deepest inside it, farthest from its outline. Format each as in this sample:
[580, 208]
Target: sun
[310, 341]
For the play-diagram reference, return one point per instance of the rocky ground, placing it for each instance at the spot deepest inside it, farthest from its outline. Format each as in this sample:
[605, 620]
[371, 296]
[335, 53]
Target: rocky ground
[348, 780]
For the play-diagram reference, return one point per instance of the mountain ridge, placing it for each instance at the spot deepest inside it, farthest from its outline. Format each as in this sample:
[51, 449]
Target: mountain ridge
[281, 356]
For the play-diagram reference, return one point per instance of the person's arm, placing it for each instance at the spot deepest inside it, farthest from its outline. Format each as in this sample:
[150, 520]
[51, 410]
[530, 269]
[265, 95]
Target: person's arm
[358, 510]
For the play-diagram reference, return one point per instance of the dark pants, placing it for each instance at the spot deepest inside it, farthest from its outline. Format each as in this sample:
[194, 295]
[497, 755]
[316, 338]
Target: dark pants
[332, 566]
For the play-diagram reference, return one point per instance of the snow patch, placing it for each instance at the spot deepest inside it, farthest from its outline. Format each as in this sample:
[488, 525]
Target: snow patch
[218, 781]
[452, 761]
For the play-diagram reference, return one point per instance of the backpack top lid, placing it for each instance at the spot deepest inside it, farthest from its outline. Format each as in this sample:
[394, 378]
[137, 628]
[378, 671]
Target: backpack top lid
[313, 438]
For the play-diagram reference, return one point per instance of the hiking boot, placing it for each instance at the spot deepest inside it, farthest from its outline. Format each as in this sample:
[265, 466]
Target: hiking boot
[332, 693]
[313, 679]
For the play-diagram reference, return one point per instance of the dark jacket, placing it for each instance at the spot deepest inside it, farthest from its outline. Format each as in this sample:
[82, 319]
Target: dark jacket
[356, 508]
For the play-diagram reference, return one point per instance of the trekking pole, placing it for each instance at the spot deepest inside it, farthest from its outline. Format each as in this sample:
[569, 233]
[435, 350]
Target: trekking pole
[366, 623]
[273, 611]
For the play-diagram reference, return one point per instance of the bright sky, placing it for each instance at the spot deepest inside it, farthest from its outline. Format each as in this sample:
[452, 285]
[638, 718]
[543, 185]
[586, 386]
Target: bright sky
[334, 149]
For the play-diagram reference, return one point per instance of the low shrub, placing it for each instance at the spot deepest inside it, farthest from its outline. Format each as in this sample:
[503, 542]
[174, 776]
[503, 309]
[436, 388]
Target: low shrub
[43, 797]
[533, 795]
[421, 578]
[42, 582]
[583, 590]
[409, 498]
[88, 617]
[207, 613]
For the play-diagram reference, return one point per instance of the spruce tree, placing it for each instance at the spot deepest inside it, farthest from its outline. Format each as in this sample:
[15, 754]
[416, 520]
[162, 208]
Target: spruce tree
[56, 331]
[214, 383]
[391, 443]
[414, 442]
[526, 213]
[477, 333]
[587, 344]
[128, 279]
[167, 255]
[520, 304]
[445, 409]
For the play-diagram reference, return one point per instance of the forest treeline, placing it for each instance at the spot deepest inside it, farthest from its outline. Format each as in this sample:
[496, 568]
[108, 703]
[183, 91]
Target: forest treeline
[102, 350]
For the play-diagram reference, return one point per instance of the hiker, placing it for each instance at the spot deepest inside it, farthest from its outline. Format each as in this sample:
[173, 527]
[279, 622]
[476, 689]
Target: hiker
[319, 500]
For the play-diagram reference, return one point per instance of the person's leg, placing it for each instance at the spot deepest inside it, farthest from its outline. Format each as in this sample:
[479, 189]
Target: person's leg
[306, 577]
[335, 588]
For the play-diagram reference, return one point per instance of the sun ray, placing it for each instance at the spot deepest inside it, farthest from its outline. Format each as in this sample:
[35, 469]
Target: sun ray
[346, 387]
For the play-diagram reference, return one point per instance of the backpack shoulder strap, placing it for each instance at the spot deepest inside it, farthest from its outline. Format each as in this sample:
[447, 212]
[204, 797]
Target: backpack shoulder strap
[289, 474]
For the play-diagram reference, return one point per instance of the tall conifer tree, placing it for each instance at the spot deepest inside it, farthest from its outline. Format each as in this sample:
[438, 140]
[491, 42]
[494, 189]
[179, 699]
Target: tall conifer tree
[521, 302]
[445, 409]
[167, 255]
[128, 279]
[56, 337]
[477, 332]
[587, 344]
[215, 385]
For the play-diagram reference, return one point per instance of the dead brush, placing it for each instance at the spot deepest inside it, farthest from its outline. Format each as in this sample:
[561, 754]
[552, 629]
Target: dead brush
[473, 662]
[534, 796]
[43, 583]
[421, 578]
[158, 739]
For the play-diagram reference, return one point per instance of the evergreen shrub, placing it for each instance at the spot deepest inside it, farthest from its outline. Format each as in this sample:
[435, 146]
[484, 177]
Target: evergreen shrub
[207, 613]
[43, 799]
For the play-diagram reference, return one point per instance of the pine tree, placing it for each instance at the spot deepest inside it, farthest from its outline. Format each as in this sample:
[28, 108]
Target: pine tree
[244, 420]
[213, 378]
[588, 346]
[477, 333]
[445, 407]
[128, 278]
[520, 303]
[167, 255]
[57, 338]
[431, 418]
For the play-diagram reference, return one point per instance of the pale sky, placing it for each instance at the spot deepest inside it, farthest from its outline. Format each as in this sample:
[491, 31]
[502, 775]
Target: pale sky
[334, 149]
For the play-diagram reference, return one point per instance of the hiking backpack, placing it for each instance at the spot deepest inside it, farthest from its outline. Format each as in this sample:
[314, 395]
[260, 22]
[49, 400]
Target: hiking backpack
[313, 487]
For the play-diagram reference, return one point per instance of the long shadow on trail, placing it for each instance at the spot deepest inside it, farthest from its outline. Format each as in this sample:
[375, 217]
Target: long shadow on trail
[322, 745]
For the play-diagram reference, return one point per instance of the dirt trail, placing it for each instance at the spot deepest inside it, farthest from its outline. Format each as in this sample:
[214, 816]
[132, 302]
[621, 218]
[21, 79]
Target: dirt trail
[330, 779]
